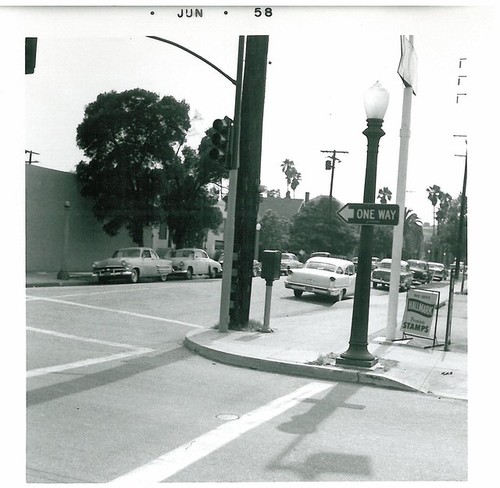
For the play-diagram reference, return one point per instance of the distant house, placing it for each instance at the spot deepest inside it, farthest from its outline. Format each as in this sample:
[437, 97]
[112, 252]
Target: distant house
[284, 207]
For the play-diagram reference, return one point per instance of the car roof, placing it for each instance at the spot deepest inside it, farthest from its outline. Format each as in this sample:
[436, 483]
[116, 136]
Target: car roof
[389, 260]
[336, 261]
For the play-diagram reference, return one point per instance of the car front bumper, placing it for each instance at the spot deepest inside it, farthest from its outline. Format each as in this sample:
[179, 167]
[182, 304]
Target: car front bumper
[111, 273]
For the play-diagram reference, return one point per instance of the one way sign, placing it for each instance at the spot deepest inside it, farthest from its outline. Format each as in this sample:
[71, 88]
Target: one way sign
[369, 214]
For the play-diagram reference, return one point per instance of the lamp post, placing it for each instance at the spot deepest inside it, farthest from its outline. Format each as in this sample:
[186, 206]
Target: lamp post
[63, 272]
[257, 236]
[376, 102]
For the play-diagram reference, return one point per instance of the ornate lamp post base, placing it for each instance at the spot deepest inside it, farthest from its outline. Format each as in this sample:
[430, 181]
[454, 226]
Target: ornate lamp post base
[357, 355]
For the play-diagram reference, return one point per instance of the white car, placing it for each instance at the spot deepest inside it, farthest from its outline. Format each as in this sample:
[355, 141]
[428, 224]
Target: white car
[192, 261]
[323, 276]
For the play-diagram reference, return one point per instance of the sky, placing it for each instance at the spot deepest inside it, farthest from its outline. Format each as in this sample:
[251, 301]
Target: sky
[321, 61]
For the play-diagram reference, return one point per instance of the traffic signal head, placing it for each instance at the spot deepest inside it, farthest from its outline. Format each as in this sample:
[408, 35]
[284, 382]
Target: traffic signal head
[328, 164]
[221, 140]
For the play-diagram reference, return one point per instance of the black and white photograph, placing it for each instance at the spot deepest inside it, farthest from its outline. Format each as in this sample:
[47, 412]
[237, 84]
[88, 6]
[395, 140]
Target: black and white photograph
[248, 234]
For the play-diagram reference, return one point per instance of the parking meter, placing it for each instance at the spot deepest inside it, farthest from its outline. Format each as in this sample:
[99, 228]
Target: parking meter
[271, 270]
[271, 265]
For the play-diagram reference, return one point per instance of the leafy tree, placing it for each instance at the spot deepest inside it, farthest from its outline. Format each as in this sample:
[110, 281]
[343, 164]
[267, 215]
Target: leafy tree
[382, 240]
[313, 230]
[129, 137]
[446, 241]
[189, 206]
[274, 231]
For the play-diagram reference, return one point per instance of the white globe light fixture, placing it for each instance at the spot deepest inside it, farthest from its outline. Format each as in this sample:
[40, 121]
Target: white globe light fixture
[376, 101]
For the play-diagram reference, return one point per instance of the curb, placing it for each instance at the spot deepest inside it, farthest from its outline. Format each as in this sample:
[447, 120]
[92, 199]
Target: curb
[329, 373]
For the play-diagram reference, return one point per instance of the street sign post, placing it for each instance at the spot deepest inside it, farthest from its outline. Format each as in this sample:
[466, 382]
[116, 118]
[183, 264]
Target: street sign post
[369, 214]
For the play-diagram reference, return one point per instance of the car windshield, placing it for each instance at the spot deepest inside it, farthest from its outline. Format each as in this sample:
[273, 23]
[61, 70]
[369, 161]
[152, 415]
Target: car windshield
[384, 265]
[127, 253]
[417, 265]
[322, 266]
[436, 266]
[184, 253]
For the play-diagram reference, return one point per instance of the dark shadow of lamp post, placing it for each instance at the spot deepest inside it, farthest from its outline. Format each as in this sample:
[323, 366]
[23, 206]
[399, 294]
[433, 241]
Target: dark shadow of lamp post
[376, 102]
[63, 272]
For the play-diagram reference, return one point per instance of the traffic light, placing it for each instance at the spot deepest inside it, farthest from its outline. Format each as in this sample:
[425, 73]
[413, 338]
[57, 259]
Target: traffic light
[328, 164]
[221, 140]
[29, 55]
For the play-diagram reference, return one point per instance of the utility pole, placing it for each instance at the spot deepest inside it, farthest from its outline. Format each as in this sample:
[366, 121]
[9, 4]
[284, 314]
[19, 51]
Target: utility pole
[330, 165]
[247, 197]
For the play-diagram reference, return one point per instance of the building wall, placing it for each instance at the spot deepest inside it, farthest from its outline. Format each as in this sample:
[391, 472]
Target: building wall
[47, 191]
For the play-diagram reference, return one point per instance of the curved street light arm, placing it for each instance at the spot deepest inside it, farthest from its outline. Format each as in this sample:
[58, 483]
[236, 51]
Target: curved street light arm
[195, 55]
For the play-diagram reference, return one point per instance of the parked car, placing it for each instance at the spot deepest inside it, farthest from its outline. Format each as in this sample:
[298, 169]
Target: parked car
[320, 254]
[191, 261]
[381, 275]
[289, 261]
[323, 276]
[421, 272]
[439, 271]
[256, 268]
[375, 261]
[132, 263]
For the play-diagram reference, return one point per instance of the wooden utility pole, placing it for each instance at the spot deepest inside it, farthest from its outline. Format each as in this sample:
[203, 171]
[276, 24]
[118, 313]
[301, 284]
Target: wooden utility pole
[247, 197]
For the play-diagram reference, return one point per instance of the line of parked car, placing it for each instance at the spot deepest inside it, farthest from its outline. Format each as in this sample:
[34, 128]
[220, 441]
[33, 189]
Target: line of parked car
[136, 263]
[322, 274]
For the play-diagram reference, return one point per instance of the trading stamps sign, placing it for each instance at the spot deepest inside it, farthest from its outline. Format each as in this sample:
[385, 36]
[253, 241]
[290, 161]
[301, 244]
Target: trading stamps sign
[419, 312]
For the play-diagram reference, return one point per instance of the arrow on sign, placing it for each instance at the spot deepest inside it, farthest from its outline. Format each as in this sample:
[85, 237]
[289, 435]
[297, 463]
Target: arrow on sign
[369, 214]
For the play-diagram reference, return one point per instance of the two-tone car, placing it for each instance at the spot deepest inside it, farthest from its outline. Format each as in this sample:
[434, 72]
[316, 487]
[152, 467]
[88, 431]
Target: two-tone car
[189, 262]
[323, 276]
[381, 275]
[132, 264]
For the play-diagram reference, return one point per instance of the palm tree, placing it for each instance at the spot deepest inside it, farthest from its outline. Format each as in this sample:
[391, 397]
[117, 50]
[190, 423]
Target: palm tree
[384, 194]
[295, 181]
[288, 167]
[413, 235]
[434, 194]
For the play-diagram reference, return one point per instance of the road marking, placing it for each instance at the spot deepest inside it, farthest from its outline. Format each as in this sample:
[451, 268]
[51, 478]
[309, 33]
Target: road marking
[136, 351]
[81, 338]
[86, 362]
[112, 310]
[176, 460]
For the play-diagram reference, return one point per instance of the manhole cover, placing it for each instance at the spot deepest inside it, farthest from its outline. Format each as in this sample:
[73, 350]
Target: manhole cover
[227, 416]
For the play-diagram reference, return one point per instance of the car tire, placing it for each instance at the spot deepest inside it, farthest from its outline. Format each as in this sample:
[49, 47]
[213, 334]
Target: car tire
[297, 293]
[101, 280]
[163, 278]
[189, 274]
[134, 277]
[374, 285]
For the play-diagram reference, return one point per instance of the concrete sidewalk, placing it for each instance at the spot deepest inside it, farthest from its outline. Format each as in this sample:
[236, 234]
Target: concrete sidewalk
[307, 345]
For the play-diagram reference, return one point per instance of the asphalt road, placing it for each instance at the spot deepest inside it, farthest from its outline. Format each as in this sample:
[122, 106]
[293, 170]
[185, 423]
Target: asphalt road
[113, 395]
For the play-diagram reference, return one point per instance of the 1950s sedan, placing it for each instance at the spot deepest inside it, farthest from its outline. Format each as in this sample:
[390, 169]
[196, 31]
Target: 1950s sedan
[192, 261]
[323, 276]
[132, 263]
[381, 275]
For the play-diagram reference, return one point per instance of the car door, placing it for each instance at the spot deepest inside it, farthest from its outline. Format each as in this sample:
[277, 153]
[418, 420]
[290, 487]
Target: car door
[351, 276]
[148, 264]
[201, 262]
